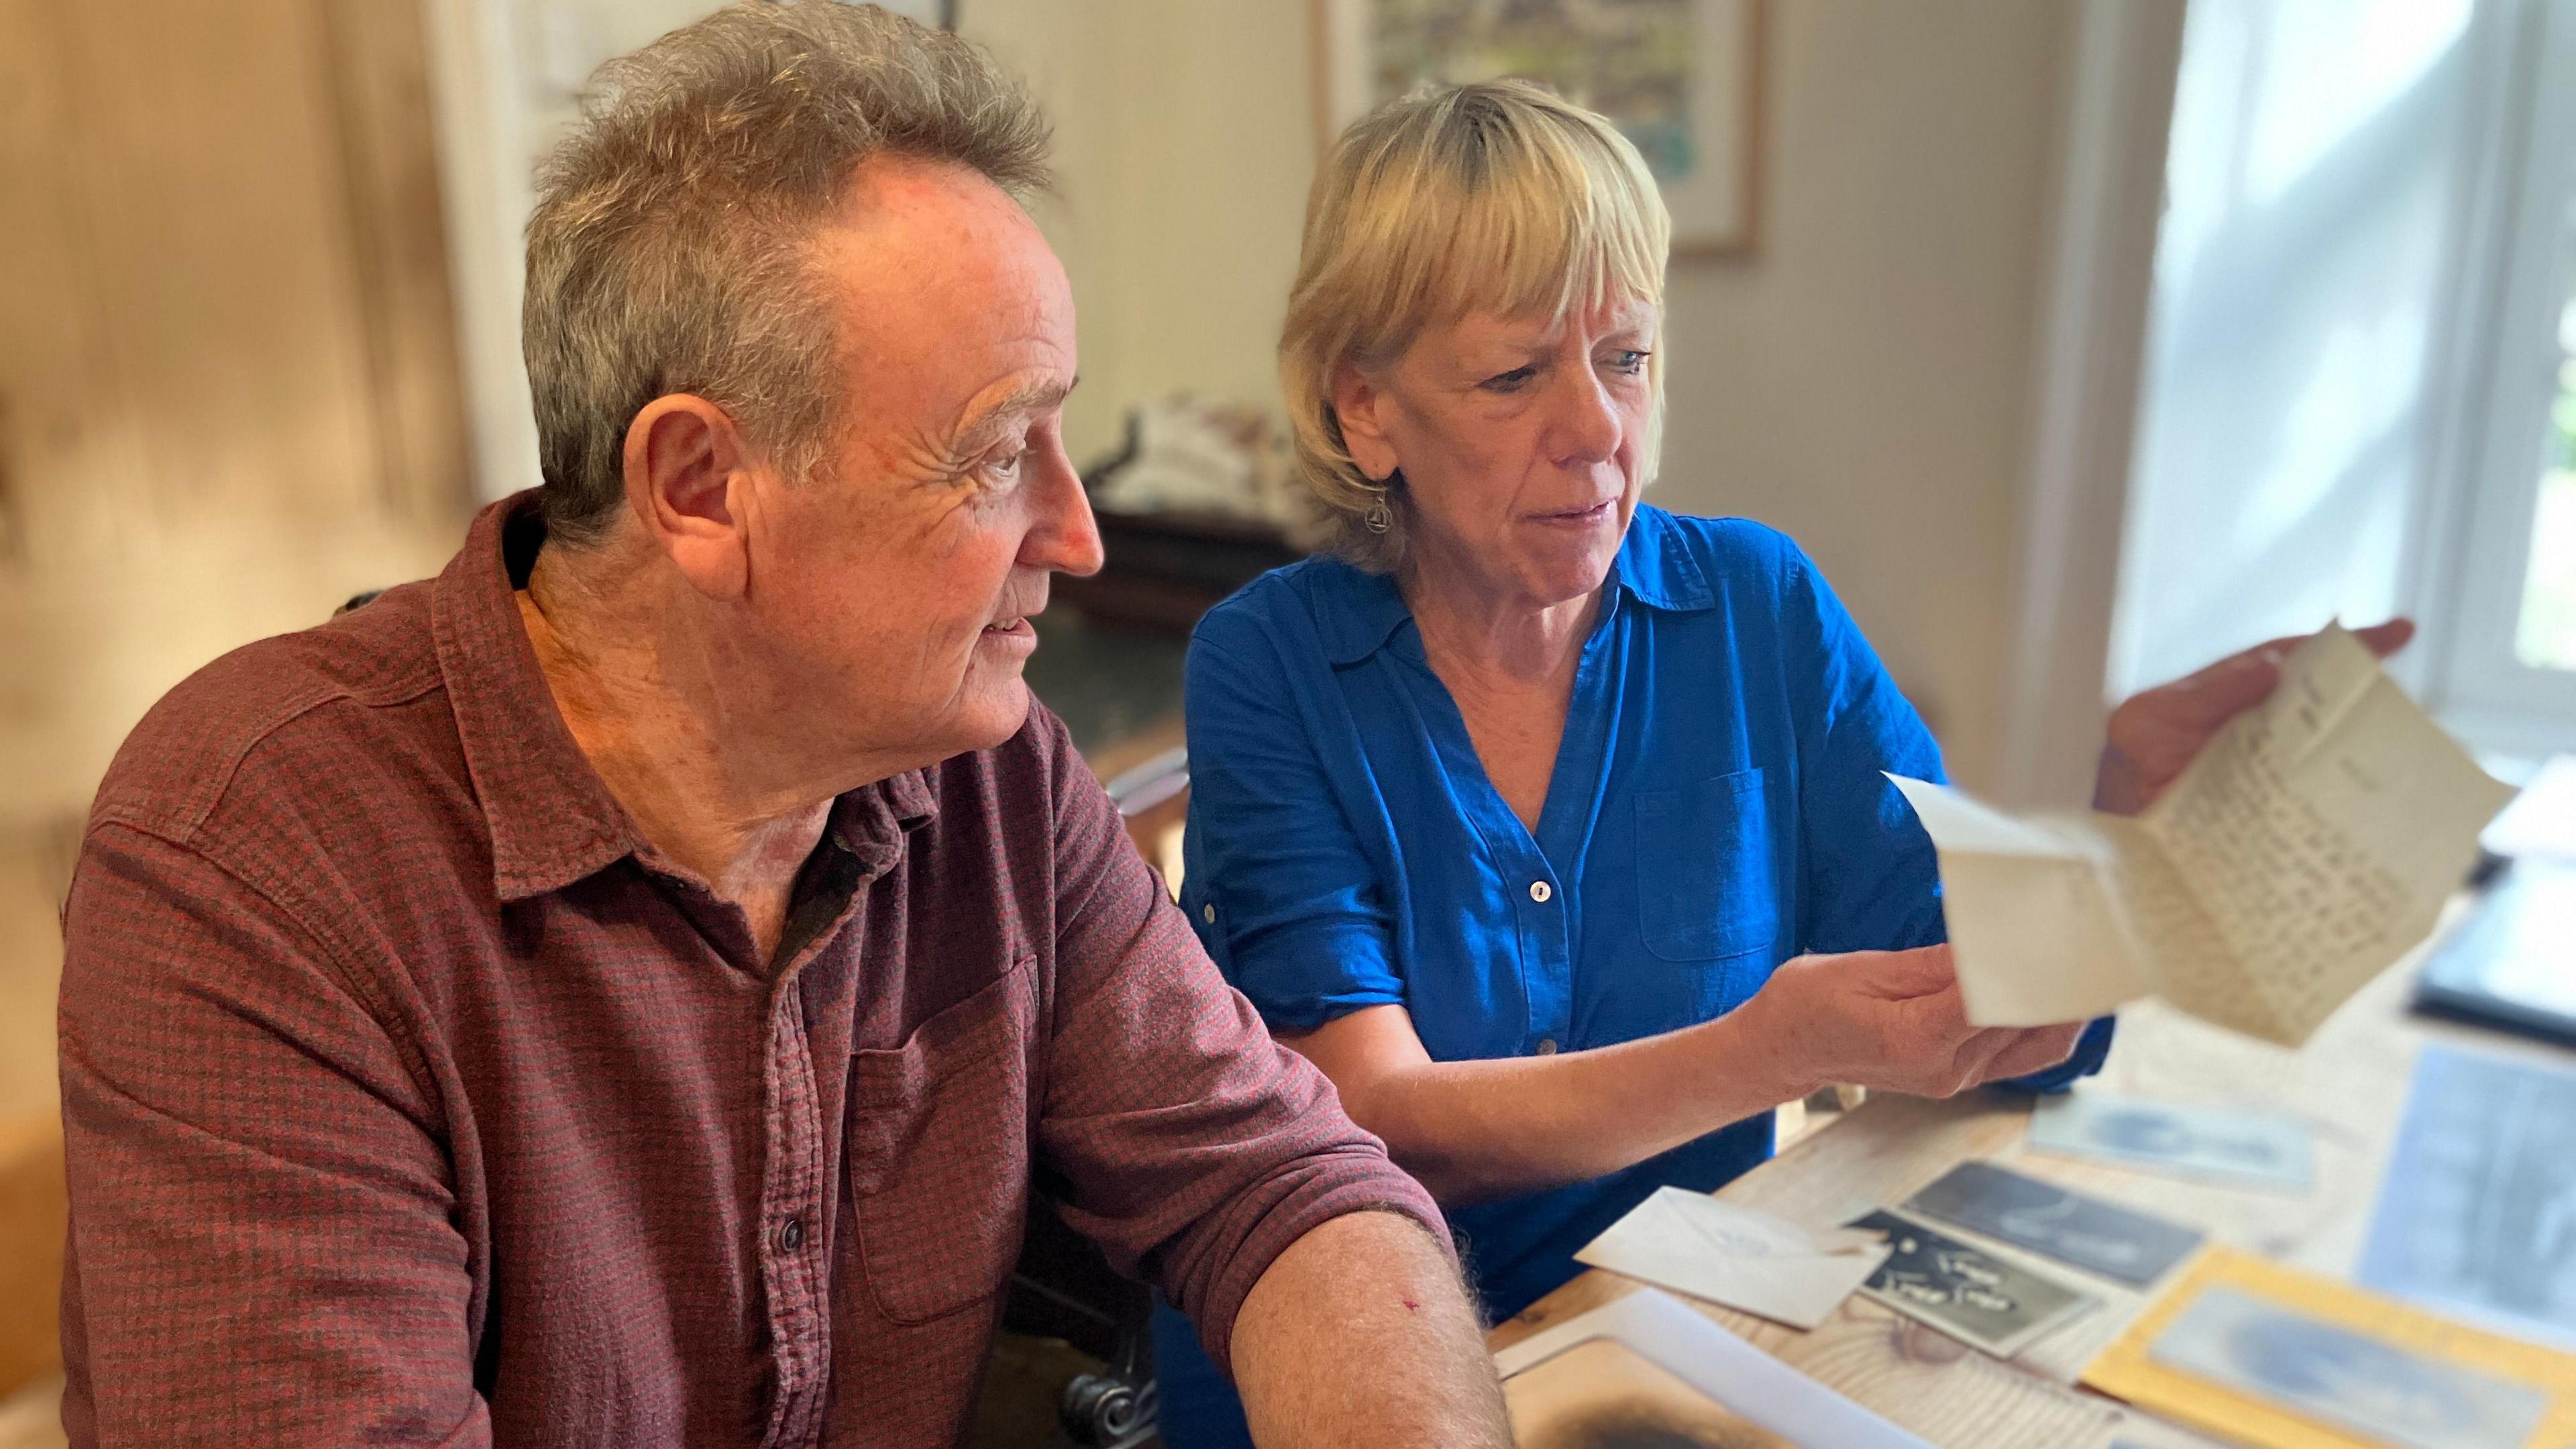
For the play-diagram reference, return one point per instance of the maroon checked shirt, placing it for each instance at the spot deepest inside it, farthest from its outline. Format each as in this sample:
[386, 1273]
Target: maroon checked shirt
[413, 1098]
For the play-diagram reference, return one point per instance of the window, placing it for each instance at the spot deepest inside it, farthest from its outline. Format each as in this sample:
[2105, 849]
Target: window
[2505, 652]
[2544, 635]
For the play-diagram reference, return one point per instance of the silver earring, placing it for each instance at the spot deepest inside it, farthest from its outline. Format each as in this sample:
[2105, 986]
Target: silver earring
[1379, 518]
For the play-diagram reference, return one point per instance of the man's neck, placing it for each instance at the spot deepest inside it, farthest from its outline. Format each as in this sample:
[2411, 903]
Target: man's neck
[636, 685]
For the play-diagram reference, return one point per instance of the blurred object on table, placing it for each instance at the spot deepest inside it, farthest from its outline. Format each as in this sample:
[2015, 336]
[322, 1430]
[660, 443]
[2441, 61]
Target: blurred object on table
[2541, 821]
[1183, 455]
[1195, 504]
[2513, 965]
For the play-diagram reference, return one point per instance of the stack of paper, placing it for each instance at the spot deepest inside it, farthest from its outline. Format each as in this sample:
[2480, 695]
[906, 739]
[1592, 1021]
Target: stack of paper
[1692, 1243]
[2311, 844]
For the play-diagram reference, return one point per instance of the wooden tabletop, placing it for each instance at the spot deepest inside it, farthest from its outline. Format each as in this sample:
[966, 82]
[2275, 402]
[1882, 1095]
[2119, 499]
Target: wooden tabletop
[2349, 1082]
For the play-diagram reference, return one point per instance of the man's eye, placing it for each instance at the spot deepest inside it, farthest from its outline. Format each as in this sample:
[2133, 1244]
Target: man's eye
[1007, 467]
[1509, 381]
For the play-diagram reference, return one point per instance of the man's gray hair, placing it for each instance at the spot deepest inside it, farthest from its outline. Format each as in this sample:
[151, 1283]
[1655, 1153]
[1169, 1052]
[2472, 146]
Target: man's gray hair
[666, 253]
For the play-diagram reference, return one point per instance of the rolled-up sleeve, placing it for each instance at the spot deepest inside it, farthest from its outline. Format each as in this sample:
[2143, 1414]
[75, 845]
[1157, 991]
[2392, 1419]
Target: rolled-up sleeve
[1183, 1140]
[262, 1247]
[1282, 893]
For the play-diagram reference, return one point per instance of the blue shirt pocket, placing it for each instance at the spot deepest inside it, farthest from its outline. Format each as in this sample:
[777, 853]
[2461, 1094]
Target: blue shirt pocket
[1707, 883]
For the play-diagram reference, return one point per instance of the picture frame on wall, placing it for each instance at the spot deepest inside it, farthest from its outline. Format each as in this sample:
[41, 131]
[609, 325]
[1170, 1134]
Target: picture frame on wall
[1681, 78]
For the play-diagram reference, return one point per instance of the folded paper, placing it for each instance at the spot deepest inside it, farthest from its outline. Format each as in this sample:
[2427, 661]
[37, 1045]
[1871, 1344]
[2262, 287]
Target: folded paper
[2309, 846]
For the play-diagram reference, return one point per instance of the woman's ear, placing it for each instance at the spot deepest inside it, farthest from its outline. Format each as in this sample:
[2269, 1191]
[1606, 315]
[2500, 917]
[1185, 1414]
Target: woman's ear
[1356, 406]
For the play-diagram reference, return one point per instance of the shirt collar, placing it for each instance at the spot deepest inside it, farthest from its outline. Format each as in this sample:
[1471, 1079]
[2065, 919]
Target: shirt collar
[1653, 566]
[1657, 568]
[553, 820]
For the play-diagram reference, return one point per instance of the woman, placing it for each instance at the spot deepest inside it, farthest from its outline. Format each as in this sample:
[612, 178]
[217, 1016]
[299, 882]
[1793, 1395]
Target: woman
[1553, 827]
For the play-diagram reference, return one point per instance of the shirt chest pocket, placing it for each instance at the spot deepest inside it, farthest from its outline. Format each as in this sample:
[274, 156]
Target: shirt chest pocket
[1708, 881]
[938, 1153]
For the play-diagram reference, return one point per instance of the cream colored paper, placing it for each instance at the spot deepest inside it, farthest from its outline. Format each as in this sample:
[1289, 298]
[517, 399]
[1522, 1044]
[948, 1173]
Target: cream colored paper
[2307, 848]
[1692, 1243]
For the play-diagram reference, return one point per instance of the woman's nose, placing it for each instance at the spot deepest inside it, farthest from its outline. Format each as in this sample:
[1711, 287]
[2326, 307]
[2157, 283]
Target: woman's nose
[1587, 425]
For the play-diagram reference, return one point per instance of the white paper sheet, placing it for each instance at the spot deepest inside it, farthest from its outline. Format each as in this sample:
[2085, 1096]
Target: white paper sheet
[2307, 848]
[1737, 1375]
[1692, 1243]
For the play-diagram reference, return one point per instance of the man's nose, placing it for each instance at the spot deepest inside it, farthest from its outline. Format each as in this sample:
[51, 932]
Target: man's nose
[1062, 533]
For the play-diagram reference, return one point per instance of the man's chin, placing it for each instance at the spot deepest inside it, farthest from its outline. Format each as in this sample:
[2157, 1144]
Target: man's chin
[995, 718]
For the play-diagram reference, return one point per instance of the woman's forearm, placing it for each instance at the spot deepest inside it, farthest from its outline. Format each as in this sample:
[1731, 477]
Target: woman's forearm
[1474, 1130]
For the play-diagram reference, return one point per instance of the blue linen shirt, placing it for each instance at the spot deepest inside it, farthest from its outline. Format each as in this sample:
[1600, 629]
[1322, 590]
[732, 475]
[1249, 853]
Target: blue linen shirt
[1716, 808]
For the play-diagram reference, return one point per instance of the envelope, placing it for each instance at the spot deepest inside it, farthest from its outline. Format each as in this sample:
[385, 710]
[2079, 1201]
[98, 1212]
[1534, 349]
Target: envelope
[1692, 1243]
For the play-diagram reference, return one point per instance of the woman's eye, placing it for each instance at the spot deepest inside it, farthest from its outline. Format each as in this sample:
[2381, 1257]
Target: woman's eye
[1629, 360]
[1509, 381]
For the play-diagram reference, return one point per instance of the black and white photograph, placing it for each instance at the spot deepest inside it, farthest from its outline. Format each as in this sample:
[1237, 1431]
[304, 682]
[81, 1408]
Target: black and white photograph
[2247, 1146]
[1965, 1291]
[2084, 1232]
[2330, 1373]
[2477, 1213]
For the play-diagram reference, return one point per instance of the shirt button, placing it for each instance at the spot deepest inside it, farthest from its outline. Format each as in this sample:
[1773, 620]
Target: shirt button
[1540, 890]
[791, 1235]
[1547, 1046]
[1207, 913]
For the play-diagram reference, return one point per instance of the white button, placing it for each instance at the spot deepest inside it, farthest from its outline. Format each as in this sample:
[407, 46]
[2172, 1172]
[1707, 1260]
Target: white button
[1547, 1046]
[1207, 913]
[1540, 890]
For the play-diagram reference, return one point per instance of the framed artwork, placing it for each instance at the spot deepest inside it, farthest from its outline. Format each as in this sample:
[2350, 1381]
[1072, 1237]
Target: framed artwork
[1681, 78]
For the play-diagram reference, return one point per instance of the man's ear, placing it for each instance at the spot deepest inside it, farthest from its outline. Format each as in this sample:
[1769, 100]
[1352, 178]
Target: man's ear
[687, 476]
[1356, 404]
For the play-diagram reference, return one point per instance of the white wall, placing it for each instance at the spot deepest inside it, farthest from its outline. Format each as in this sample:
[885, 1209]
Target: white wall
[1185, 138]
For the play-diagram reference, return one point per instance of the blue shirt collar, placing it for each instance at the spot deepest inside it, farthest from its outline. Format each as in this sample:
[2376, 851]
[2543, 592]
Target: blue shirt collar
[1653, 566]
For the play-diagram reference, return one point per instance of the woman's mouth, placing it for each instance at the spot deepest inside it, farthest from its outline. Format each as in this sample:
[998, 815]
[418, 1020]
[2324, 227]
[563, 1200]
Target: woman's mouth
[1574, 517]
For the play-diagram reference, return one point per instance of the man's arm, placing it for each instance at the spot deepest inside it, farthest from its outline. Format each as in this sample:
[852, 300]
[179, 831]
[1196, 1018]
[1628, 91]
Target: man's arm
[1360, 1333]
[262, 1249]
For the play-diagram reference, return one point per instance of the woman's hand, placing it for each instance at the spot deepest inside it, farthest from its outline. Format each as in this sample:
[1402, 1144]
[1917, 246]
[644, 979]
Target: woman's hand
[1894, 1021]
[2154, 734]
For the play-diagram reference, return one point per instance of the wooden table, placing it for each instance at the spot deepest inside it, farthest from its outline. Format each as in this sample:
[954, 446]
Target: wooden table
[2350, 1082]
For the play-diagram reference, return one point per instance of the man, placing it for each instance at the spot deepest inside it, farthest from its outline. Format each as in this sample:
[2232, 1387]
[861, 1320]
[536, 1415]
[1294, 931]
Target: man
[625, 990]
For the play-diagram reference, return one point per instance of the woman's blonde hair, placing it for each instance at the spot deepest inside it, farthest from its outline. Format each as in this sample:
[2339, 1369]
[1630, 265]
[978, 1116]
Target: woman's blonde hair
[1497, 198]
